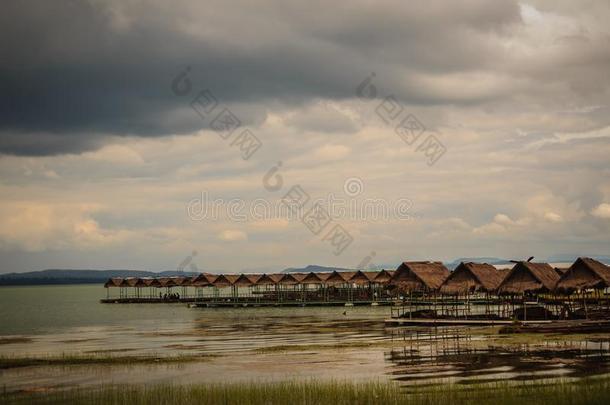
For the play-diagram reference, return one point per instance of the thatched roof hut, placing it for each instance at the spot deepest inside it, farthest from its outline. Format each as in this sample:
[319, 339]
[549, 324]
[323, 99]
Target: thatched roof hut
[312, 278]
[130, 282]
[288, 279]
[139, 282]
[151, 282]
[224, 280]
[245, 280]
[384, 276]
[528, 277]
[300, 277]
[585, 273]
[167, 282]
[335, 278]
[182, 281]
[113, 282]
[275, 277]
[362, 278]
[203, 280]
[347, 276]
[471, 277]
[420, 276]
[267, 279]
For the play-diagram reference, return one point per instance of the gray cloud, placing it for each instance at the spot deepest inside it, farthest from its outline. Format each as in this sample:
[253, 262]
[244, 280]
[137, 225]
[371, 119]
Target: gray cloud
[86, 69]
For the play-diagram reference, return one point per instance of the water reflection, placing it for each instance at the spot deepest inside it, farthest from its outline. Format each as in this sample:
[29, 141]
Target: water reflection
[279, 343]
[449, 355]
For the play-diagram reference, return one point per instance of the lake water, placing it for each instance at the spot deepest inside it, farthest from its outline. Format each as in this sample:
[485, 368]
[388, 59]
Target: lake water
[246, 344]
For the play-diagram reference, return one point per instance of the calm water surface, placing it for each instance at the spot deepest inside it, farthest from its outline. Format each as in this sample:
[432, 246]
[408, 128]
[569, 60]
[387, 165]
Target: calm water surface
[250, 344]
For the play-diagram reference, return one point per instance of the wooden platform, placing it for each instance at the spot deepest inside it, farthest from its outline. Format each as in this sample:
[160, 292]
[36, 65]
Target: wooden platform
[210, 303]
[567, 326]
[448, 322]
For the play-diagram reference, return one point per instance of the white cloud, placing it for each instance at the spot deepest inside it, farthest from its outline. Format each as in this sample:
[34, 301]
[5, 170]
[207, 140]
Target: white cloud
[602, 211]
[232, 235]
[553, 217]
[331, 152]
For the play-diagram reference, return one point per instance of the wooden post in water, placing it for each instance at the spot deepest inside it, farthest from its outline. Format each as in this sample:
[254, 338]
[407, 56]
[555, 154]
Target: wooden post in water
[584, 299]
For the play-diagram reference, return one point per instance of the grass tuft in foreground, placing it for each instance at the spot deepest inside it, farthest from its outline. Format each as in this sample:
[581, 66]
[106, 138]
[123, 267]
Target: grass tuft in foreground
[587, 391]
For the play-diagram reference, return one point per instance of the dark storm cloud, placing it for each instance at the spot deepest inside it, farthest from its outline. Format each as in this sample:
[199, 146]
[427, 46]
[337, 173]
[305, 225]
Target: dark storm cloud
[82, 70]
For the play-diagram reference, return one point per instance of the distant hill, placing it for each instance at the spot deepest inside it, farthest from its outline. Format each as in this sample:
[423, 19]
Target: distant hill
[570, 258]
[313, 268]
[60, 276]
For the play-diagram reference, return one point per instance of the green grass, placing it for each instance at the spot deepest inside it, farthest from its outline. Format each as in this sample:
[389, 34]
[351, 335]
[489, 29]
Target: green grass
[100, 358]
[586, 391]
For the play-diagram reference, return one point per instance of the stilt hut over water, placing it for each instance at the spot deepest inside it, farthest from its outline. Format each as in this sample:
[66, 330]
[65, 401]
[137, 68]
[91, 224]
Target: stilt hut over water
[469, 278]
[585, 281]
[527, 277]
[528, 282]
[472, 281]
[585, 273]
[420, 276]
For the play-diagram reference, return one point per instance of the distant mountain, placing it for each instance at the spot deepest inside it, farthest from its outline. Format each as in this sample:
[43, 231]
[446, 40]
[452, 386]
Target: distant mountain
[313, 268]
[570, 258]
[60, 276]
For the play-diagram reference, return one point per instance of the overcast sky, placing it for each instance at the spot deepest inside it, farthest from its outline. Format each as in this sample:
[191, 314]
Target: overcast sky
[102, 154]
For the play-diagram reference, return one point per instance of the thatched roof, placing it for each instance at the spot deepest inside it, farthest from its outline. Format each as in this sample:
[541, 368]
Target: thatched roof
[276, 277]
[140, 283]
[384, 276]
[299, 277]
[529, 277]
[288, 278]
[361, 278]
[312, 278]
[420, 276]
[561, 270]
[203, 280]
[151, 282]
[167, 281]
[113, 282]
[266, 279]
[246, 280]
[348, 275]
[182, 280]
[335, 278]
[470, 277]
[132, 282]
[585, 273]
[224, 280]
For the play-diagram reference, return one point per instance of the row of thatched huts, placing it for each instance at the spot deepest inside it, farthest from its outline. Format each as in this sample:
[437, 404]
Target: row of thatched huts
[246, 280]
[524, 277]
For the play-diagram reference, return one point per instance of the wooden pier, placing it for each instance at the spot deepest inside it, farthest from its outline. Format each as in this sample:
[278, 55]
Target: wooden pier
[244, 303]
[456, 322]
